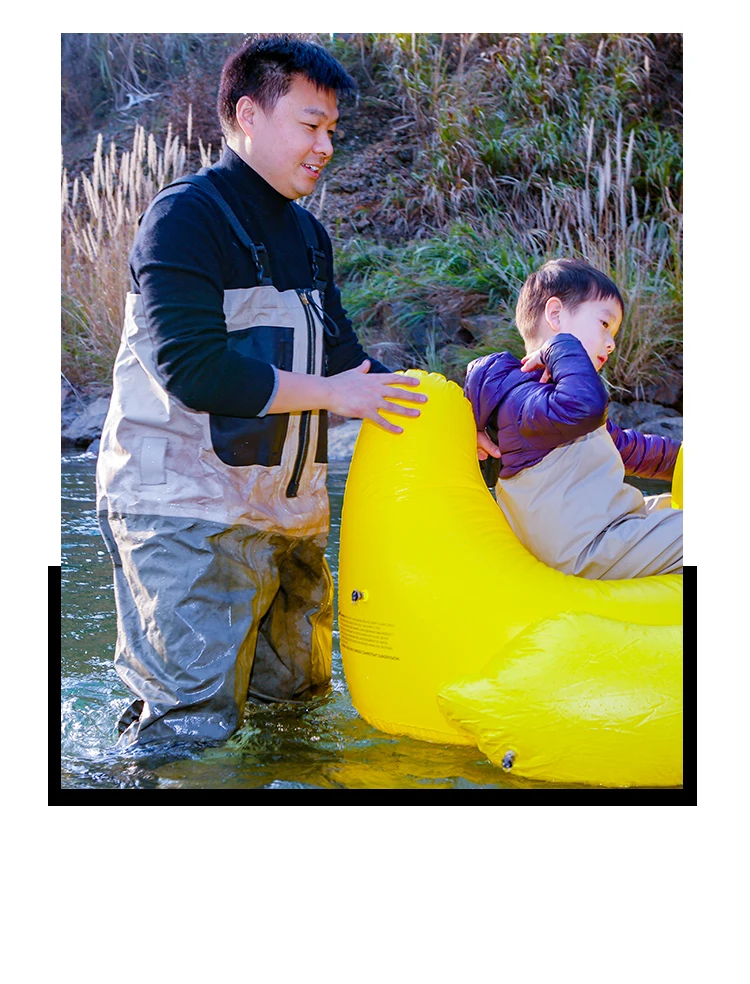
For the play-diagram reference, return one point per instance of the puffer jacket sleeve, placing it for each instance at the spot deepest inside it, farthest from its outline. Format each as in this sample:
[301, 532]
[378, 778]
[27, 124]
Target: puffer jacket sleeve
[645, 455]
[571, 404]
[527, 418]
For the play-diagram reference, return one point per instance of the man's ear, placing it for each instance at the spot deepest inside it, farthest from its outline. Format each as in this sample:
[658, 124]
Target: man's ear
[245, 111]
[552, 311]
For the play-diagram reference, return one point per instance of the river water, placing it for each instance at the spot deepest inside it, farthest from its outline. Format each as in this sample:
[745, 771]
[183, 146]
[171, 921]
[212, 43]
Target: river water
[323, 744]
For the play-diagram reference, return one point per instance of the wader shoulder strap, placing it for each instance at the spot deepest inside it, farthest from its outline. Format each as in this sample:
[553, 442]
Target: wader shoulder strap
[258, 250]
[315, 255]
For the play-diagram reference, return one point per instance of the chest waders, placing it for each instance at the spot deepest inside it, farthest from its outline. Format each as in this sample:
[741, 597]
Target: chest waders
[616, 533]
[216, 525]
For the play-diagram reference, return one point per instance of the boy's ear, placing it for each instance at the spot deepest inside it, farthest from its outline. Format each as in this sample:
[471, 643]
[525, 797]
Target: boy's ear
[245, 111]
[552, 310]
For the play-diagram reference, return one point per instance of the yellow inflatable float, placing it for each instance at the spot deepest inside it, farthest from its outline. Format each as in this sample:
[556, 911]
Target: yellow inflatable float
[452, 632]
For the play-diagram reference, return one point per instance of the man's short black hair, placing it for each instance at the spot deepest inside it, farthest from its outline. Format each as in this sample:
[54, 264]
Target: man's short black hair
[263, 69]
[572, 281]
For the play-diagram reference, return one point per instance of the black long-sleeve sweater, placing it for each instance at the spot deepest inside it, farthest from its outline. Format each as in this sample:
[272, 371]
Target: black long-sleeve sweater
[186, 256]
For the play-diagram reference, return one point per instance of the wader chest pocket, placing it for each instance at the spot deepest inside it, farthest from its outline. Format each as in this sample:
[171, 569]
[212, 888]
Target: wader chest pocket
[255, 440]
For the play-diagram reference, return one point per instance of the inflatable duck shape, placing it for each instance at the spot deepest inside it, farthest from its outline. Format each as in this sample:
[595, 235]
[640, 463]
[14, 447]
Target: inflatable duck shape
[452, 632]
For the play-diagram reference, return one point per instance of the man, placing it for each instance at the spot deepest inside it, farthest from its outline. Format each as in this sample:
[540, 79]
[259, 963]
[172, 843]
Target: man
[212, 468]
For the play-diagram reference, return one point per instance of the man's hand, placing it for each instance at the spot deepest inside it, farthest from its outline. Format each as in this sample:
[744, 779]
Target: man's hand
[355, 393]
[534, 361]
[485, 447]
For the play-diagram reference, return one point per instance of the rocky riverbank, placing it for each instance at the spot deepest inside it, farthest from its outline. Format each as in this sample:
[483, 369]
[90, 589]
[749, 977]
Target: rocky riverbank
[83, 409]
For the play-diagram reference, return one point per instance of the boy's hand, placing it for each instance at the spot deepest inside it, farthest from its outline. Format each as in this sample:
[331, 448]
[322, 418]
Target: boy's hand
[534, 361]
[485, 447]
[355, 393]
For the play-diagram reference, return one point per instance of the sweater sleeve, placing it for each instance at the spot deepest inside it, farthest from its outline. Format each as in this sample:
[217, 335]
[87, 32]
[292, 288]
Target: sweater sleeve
[343, 349]
[645, 455]
[176, 265]
[571, 404]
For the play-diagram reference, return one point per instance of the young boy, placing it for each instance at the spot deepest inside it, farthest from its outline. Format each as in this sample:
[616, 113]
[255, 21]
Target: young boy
[561, 484]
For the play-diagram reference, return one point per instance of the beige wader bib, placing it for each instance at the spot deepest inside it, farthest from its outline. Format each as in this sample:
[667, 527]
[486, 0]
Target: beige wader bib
[574, 511]
[159, 458]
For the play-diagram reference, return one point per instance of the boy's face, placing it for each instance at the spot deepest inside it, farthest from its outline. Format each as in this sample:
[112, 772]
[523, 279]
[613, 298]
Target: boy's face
[290, 145]
[595, 324]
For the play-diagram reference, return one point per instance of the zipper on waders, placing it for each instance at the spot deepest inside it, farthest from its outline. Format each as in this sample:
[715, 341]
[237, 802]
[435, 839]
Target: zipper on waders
[304, 423]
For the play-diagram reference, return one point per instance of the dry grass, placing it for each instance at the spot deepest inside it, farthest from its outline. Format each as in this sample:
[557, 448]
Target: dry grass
[492, 118]
[99, 222]
[418, 293]
[521, 147]
[526, 147]
[601, 223]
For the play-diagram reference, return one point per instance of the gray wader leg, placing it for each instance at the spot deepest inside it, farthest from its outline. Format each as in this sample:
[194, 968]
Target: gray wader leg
[191, 597]
[299, 620]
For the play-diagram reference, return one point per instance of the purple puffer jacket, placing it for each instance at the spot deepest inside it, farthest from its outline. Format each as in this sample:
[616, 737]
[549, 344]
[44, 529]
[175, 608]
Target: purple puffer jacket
[534, 418]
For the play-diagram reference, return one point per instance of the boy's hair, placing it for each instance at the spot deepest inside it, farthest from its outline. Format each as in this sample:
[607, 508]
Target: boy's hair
[572, 281]
[263, 69]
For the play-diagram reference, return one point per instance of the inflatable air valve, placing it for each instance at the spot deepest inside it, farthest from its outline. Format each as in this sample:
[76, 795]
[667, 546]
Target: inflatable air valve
[448, 586]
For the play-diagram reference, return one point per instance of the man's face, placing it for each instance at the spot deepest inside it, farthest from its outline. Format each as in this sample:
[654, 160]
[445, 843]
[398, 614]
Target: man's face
[291, 145]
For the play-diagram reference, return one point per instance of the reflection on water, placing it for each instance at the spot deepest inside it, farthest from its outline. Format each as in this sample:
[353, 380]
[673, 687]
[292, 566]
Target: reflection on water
[323, 744]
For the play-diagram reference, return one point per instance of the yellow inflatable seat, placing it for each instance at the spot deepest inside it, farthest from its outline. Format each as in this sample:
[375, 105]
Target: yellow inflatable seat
[677, 480]
[432, 581]
[579, 699]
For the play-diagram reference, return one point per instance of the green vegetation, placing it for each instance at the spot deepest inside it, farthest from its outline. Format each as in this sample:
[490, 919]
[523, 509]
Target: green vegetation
[495, 153]
[524, 148]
